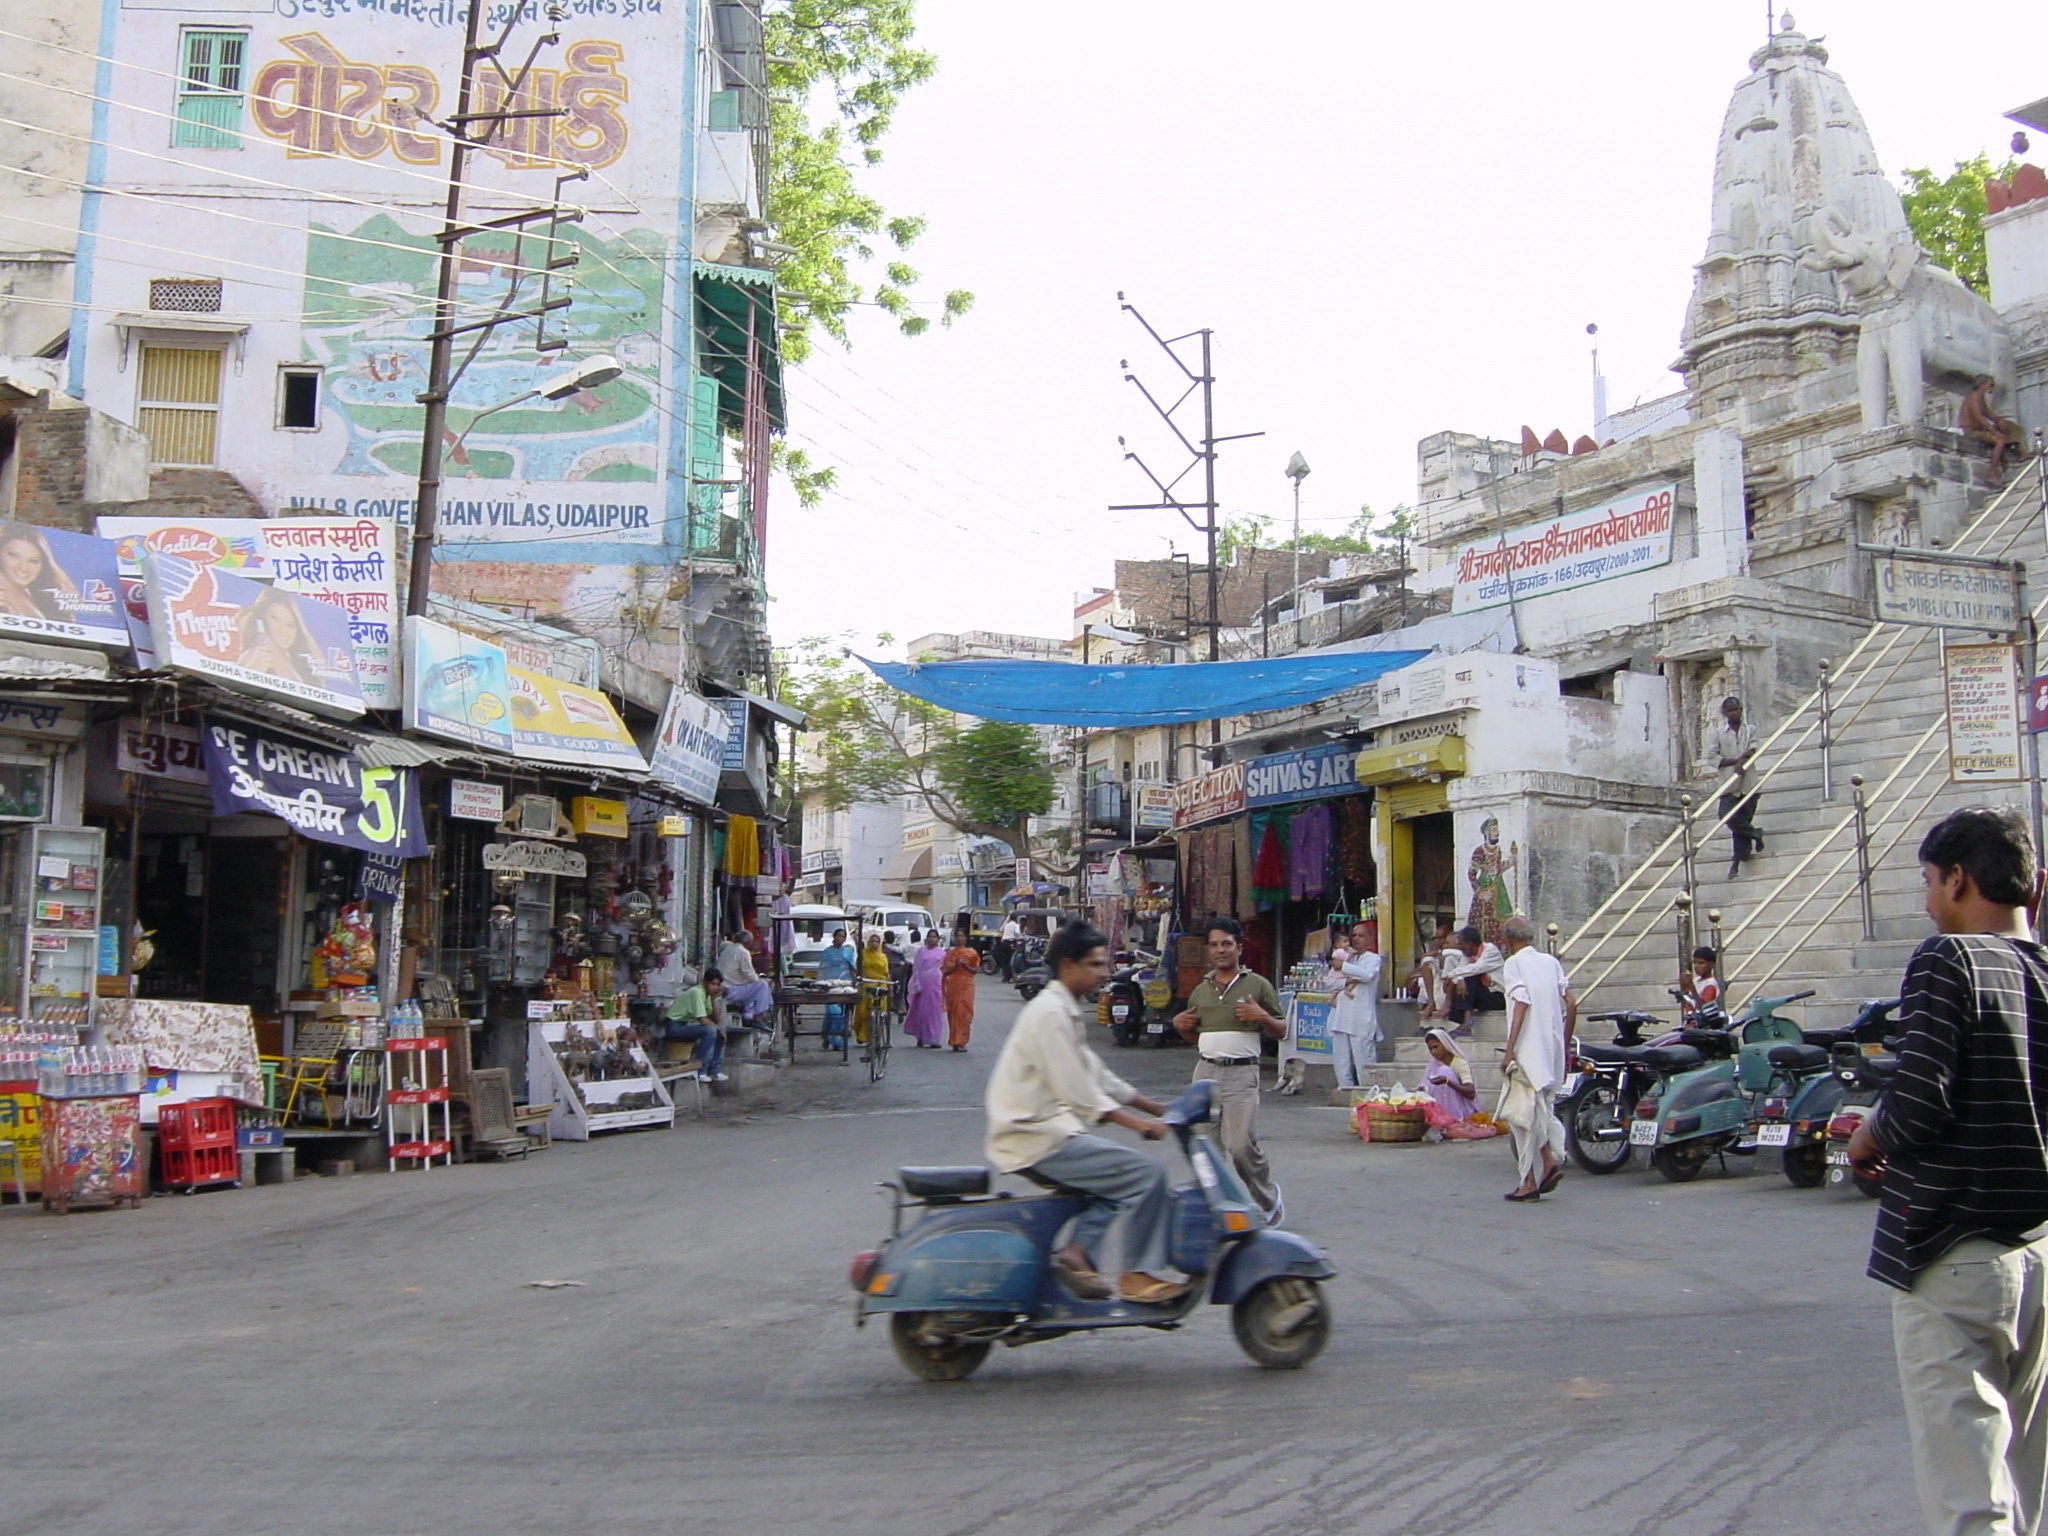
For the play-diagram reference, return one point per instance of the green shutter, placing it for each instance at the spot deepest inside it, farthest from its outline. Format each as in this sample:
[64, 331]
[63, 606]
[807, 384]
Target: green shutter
[210, 92]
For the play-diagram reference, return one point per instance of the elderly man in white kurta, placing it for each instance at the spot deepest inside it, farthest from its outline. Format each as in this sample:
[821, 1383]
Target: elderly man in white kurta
[1541, 1011]
[1355, 1011]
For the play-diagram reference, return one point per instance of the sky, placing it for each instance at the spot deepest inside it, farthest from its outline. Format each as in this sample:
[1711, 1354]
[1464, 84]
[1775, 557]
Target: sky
[1396, 220]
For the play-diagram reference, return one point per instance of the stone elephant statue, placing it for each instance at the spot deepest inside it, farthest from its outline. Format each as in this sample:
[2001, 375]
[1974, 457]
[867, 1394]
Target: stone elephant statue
[1919, 322]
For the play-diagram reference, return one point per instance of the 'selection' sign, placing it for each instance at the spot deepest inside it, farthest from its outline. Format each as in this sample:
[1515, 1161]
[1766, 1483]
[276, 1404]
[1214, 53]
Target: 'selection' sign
[323, 792]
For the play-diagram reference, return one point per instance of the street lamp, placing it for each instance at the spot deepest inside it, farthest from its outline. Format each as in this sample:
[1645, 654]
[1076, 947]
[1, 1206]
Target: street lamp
[1297, 471]
[588, 374]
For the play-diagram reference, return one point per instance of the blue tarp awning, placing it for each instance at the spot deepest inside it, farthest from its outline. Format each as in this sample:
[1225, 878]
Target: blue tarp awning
[1056, 693]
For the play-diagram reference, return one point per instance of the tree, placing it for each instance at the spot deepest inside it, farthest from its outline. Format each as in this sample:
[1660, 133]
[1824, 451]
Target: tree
[861, 55]
[869, 744]
[1365, 534]
[1946, 215]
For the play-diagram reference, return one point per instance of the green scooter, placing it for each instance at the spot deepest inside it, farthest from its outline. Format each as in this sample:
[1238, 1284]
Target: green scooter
[1698, 1108]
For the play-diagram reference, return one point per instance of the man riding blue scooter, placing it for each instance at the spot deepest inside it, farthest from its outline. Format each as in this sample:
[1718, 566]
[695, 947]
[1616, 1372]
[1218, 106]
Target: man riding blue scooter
[1046, 1095]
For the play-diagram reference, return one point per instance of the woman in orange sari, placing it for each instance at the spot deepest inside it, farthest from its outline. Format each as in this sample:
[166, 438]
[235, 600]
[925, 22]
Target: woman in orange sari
[960, 964]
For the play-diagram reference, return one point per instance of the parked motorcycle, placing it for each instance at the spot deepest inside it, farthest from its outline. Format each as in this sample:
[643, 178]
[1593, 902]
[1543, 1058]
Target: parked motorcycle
[1696, 1109]
[1797, 1089]
[976, 1268]
[1600, 1093]
[1864, 1080]
[1135, 1000]
[1028, 970]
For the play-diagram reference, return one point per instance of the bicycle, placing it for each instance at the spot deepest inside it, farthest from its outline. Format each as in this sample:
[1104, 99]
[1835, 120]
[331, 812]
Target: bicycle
[880, 1011]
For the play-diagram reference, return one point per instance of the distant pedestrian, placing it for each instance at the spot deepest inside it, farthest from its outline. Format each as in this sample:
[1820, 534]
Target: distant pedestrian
[1541, 1013]
[743, 984]
[927, 1015]
[1961, 1141]
[1011, 934]
[1733, 747]
[1355, 1011]
[961, 962]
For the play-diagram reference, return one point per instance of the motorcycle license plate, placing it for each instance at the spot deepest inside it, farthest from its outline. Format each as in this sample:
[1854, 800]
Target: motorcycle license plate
[1838, 1157]
[1779, 1135]
[1155, 1028]
[1119, 1014]
[1571, 1084]
[1642, 1133]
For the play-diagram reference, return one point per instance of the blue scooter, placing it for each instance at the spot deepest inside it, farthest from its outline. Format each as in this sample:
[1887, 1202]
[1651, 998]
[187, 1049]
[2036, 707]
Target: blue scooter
[976, 1268]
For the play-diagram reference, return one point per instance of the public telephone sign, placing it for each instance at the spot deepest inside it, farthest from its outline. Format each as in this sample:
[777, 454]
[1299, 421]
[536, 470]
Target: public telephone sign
[1915, 586]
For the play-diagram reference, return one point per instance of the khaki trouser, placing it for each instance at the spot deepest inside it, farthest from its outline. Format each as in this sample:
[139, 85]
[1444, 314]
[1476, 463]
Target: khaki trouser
[1972, 1365]
[1237, 1106]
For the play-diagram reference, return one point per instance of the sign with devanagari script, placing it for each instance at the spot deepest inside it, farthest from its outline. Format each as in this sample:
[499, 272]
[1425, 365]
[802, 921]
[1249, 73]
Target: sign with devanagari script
[1630, 533]
[321, 792]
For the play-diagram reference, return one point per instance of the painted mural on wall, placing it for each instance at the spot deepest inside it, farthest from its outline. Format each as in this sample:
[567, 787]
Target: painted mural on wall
[1493, 898]
[559, 502]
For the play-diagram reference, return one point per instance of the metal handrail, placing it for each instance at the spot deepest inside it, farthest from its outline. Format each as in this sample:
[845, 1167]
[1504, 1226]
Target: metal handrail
[1841, 686]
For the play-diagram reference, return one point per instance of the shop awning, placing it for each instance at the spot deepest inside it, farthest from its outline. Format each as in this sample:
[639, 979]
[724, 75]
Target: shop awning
[1057, 693]
[735, 321]
[1438, 757]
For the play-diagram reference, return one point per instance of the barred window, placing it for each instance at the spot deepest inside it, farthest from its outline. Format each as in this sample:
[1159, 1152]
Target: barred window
[178, 403]
[210, 90]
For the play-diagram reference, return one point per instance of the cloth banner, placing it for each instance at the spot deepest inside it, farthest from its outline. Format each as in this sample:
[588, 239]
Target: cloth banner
[1056, 693]
[323, 792]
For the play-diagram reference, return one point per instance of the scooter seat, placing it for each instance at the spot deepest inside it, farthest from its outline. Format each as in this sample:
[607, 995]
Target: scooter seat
[1614, 1055]
[1827, 1039]
[1670, 1058]
[1796, 1058]
[942, 1186]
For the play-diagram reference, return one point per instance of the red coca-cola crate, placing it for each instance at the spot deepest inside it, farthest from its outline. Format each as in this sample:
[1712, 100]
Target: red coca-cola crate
[195, 1125]
[190, 1167]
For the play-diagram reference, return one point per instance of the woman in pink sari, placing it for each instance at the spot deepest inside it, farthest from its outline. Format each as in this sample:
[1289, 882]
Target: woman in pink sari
[927, 1018]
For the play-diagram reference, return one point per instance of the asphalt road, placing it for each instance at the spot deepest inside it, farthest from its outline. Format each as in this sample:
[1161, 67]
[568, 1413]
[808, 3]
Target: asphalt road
[365, 1357]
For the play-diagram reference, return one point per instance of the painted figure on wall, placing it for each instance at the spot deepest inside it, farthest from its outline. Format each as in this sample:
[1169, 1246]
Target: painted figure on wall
[1492, 901]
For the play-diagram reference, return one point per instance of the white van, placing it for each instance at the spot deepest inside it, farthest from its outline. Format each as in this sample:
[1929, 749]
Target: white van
[893, 917]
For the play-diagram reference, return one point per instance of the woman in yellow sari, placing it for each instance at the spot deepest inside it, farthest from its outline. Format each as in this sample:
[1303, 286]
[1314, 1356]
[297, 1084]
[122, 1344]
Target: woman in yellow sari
[874, 966]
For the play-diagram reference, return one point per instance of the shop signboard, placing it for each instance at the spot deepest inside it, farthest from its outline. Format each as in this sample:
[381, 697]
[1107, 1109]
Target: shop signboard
[1023, 875]
[1312, 773]
[1983, 714]
[21, 1123]
[527, 857]
[52, 718]
[457, 687]
[597, 816]
[1308, 1026]
[1219, 792]
[323, 792]
[735, 758]
[554, 721]
[2037, 704]
[1154, 807]
[822, 858]
[381, 879]
[160, 749]
[346, 562]
[251, 637]
[922, 836]
[1933, 587]
[60, 586]
[689, 749]
[1630, 533]
[469, 800]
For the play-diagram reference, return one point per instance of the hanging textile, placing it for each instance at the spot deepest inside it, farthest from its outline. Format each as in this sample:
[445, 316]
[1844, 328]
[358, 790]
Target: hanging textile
[1269, 866]
[1241, 868]
[1207, 854]
[1060, 693]
[742, 847]
[1354, 841]
[1308, 837]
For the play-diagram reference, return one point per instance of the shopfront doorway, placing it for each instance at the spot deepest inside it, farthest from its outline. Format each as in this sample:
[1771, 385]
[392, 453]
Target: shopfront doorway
[214, 907]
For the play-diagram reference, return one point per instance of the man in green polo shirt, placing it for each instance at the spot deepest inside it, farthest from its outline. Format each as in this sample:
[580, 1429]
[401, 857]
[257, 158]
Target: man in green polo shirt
[1230, 1014]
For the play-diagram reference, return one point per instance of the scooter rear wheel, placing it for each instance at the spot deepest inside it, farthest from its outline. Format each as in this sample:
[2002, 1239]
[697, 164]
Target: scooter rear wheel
[1599, 1108]
[1806, 1167]
[1283, 1324]
[1680, 1164]
[930, 1353]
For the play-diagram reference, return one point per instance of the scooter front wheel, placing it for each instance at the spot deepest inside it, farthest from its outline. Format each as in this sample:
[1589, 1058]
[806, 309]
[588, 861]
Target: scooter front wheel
[929, 1352]
[1282, 1324]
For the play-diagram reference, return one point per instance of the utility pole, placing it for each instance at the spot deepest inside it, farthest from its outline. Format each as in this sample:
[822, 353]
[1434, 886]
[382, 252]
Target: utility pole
[468, 132]
[1201, 451]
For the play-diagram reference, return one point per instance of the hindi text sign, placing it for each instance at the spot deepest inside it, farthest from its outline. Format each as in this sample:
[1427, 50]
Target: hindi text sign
[1926, 587]
[1983, 688]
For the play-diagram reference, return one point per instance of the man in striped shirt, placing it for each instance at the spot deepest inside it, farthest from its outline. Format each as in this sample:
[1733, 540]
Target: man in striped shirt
[1962, 1141]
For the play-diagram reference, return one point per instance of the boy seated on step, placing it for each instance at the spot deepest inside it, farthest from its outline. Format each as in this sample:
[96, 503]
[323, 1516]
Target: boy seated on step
[693, 1018]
